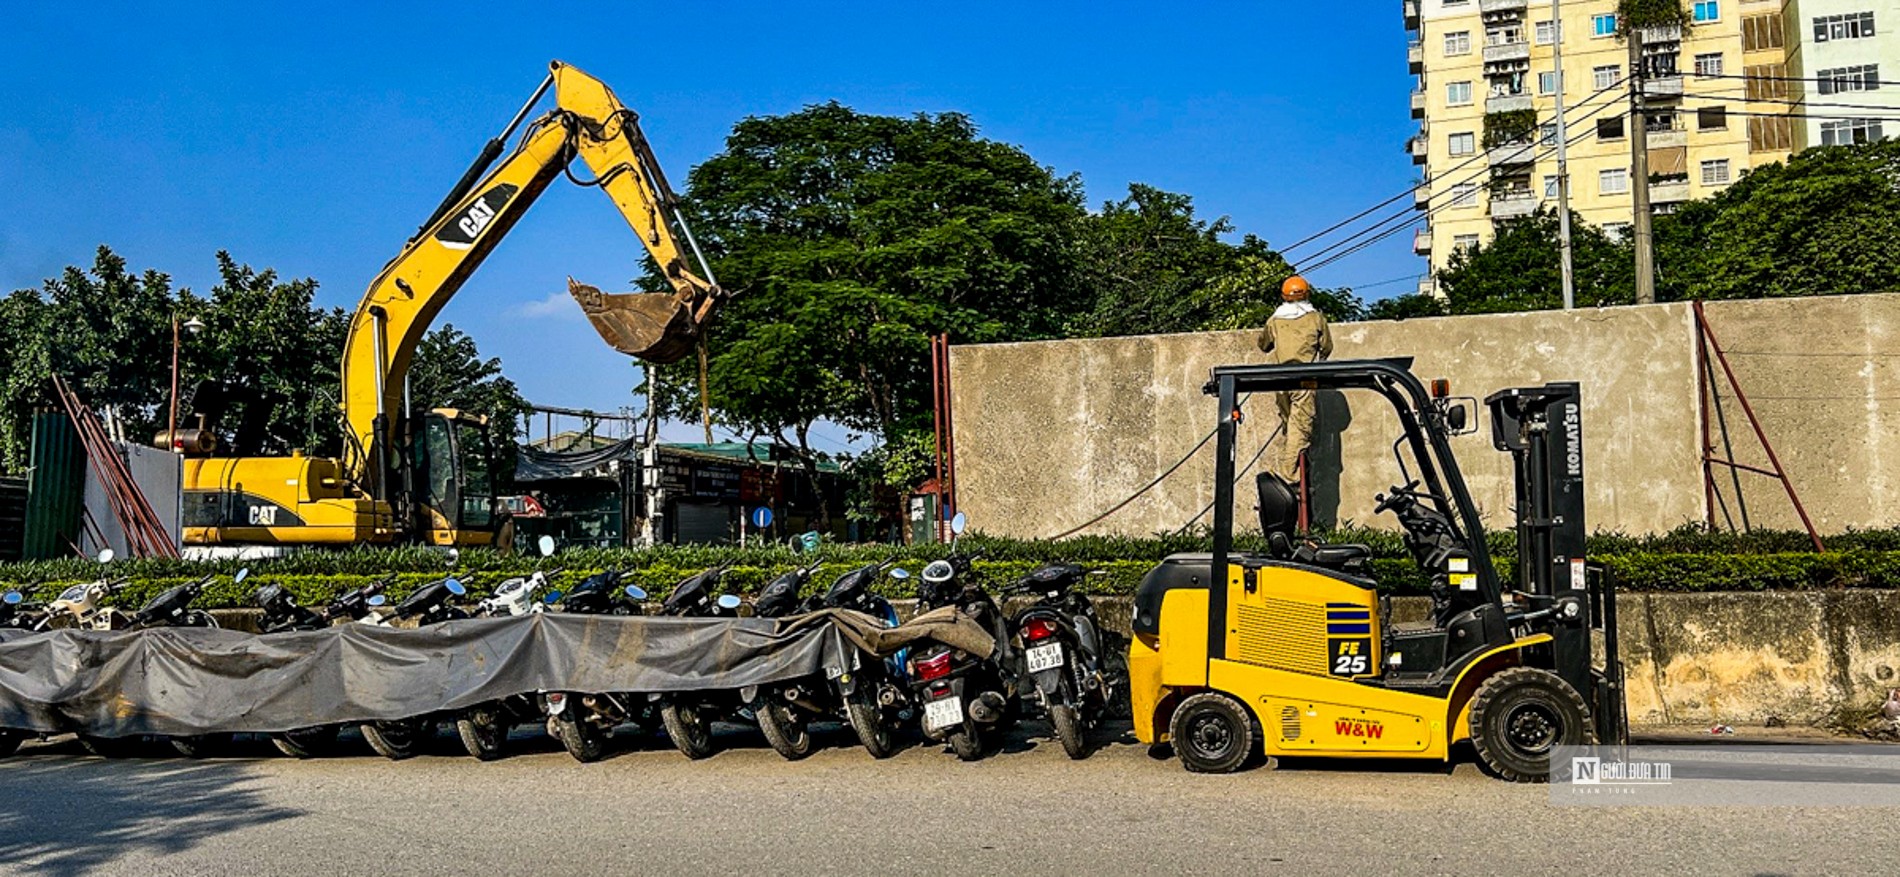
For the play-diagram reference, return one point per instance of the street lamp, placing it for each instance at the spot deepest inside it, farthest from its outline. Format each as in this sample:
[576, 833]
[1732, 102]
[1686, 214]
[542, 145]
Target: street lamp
[193, 326]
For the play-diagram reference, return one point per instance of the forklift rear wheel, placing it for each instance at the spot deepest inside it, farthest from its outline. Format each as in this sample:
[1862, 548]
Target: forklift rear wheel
[1214, 733]
[1520, 716]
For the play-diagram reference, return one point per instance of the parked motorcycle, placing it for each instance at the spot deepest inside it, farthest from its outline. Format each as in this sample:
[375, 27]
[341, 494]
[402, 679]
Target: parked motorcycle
[484, 728]
[1060, 640]
[84, 607]
[785, 710]
[585, 722]
[283, 614]
[430, 604]
[869, 695]
[18, 614]
[967, 701]
[688, 716]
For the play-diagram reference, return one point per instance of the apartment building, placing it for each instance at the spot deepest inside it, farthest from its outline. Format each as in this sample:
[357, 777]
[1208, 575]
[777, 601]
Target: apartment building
[1838, 54]
[1486, 101]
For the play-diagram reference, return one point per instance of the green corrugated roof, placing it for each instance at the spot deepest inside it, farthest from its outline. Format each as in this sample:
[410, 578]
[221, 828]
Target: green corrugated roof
[740, 452]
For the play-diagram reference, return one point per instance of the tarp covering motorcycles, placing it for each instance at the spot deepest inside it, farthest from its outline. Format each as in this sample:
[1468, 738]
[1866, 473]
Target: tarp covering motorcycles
[183, 681]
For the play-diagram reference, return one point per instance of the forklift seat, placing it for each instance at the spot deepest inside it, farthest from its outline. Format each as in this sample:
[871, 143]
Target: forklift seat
[1279, 513]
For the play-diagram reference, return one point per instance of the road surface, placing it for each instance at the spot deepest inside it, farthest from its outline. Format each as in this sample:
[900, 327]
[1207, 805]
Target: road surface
[648, 810]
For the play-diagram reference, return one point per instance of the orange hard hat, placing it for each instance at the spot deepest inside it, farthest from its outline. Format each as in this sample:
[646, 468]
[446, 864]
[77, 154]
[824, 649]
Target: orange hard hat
[1296, 289]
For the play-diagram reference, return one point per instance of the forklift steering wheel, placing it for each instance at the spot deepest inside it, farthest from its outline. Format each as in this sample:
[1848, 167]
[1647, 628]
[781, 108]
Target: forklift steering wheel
[1399, 496]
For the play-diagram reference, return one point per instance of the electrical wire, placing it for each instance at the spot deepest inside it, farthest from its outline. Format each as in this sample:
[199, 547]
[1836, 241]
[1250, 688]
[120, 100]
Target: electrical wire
[1815, 80]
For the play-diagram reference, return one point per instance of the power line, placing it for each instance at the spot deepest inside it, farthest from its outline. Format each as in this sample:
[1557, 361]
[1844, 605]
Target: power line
[1889, 108]
[1816, 80]
[1427, 183]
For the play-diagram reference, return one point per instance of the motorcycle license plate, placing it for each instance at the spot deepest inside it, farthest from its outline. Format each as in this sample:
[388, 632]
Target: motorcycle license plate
[943, 713]
[1045, 657]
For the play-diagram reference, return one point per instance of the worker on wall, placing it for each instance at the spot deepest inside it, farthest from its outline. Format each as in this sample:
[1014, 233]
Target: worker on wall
[1297, 332]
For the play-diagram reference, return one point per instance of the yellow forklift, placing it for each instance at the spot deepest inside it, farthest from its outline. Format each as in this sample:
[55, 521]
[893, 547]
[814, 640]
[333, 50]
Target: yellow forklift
[1292, 652]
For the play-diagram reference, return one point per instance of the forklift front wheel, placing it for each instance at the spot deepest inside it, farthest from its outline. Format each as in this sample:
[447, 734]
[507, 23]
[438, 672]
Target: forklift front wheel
[1520, 716]
[1214, 733]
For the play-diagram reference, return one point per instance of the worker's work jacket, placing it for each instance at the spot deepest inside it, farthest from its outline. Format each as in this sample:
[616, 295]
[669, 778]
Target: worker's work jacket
[1296, 332]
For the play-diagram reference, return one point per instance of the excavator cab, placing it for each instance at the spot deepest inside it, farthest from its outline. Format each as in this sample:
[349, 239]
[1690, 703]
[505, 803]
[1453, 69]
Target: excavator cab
[455, 496]
[1237, 656]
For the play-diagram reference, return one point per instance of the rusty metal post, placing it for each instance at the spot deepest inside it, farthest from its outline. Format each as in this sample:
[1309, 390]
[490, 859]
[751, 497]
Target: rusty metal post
[1779, 472]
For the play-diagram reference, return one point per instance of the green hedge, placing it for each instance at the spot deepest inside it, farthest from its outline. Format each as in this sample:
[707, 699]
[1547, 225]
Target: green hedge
[1683, 560]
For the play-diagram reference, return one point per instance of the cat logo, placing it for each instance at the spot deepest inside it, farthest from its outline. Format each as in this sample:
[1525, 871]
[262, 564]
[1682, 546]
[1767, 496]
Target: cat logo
[1366, 728]
[460, 230]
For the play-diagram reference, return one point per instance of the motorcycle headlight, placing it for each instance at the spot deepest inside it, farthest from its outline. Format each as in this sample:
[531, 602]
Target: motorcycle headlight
[939, 571]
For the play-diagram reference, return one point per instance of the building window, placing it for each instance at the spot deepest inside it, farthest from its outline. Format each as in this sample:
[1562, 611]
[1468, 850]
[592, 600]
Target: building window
[1711, 118]
[1458, 43]
[1550, 185]
[1852, 26]
[1604, 78]
[1835, 80]
[1846, 132]
[1616, 231]
[1464, 195]
[1707, 10]
[1545, 32]
[1458, 94]
[1709, 64]
[1761, 32]
[1547, 134]
[1603, 25]
[1504, 36]
[1464, 242]
[1464, 144]
[1547, 82]
[1613, 181]
[1610, 129]
[1715, 173]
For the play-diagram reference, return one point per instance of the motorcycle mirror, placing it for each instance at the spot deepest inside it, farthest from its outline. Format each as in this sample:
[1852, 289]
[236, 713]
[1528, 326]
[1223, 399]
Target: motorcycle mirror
[242, 574]
[11, 598]
[455, 587]
[899, 574]
[728, 602]
[455, 554]
[377, 600]
[106, 555]
[636, 592]
[546, 545]
[552, 598]
[958, 523]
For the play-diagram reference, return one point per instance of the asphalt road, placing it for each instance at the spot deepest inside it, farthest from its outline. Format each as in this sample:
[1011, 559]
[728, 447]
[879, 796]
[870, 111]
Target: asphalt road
[746, 811]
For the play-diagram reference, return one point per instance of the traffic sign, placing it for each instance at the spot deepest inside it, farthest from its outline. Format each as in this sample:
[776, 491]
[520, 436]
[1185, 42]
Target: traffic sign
[761, 518]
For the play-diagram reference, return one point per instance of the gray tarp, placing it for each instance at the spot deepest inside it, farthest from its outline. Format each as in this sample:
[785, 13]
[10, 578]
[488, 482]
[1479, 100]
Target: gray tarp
[181, 681]
[536, 464]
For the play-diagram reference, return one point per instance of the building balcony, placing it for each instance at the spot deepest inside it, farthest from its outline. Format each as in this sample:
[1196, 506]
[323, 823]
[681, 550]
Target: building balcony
[1418, 148]
[1670, 192]
[1422, 242]
[1418, 105]
[1422, 196]
[1668, 139]
[1488, 7]
[1507, 103]
[1657, 36]
[1512, 205]
[1663, 87]
[1505, 52]
[1427, 286]
[1415, 56]
[1511, 155]
[1411, 14]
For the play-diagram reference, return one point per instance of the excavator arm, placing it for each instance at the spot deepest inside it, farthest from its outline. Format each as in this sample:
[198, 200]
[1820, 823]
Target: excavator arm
[590, 123]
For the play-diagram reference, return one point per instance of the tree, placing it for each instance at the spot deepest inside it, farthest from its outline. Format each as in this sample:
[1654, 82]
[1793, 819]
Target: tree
[1521, 269]
[850, 239]
[449, 372]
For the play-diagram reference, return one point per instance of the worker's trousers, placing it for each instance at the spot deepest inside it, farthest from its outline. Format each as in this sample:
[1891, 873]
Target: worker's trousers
[1297, 412]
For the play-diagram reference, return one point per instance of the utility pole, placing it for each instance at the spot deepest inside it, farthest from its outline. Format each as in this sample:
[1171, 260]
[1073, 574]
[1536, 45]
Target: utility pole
[1563, 157]
[1639, 172]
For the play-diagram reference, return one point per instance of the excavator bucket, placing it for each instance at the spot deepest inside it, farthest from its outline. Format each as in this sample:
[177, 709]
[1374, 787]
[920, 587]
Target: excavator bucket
[659, 327]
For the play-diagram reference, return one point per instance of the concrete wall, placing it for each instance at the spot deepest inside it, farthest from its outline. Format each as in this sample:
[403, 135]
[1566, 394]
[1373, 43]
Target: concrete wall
[1050, 434]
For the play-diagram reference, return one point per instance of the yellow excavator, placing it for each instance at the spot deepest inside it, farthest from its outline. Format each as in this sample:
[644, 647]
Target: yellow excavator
[424, 476]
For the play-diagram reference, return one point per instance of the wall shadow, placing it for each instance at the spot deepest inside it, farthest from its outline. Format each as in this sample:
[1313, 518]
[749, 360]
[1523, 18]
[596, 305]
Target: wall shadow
[1324, 460]
[63, 814]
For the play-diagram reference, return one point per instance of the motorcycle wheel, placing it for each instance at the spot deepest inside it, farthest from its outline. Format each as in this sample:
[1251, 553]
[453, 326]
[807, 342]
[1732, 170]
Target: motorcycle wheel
[484, 731]
[306, 742]
[10, 741]
[967, 744]
[689, 728]
[202, 745]
[110, 747]
[399, 739]
[786, 728]
[868, 721]
[583, 739]
[1069, 730]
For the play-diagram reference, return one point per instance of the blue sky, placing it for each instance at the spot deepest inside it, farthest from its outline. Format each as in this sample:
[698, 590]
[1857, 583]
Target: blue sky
[313, 138]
